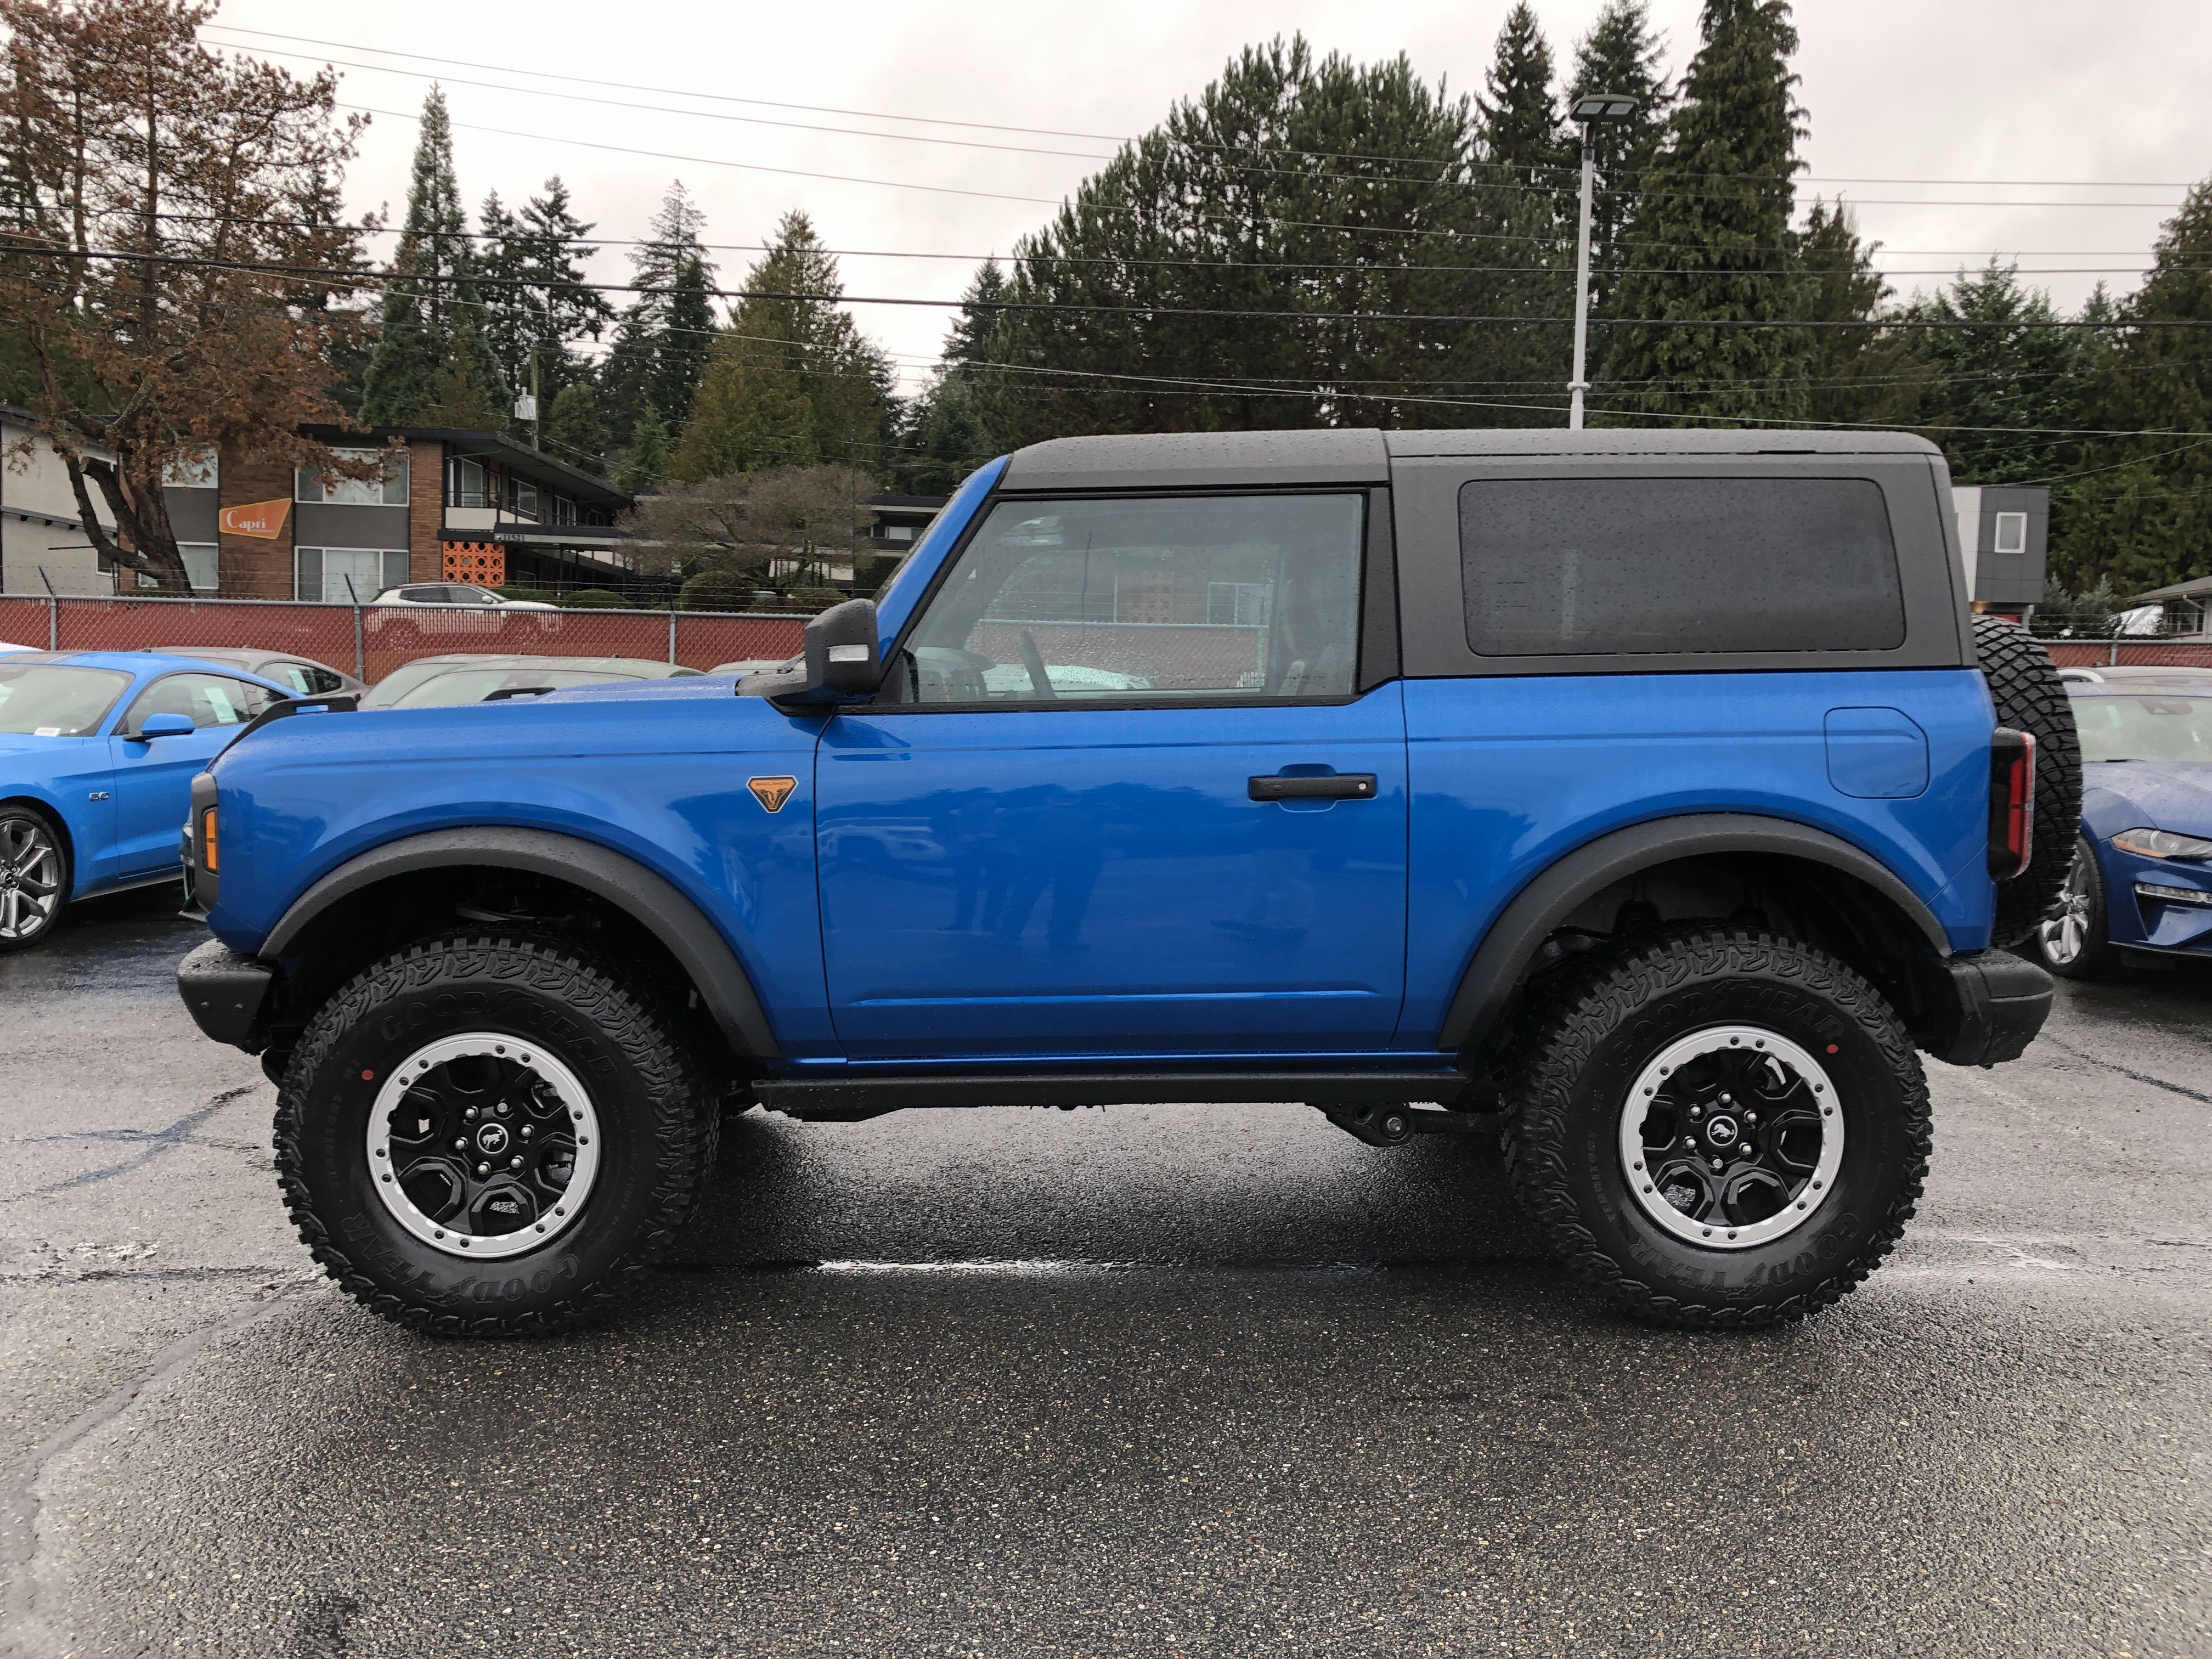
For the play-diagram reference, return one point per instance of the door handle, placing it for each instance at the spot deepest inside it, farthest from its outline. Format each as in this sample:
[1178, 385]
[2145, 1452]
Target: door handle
[1330, 785]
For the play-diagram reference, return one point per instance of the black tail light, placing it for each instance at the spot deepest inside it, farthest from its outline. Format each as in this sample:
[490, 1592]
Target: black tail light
[2012, 802]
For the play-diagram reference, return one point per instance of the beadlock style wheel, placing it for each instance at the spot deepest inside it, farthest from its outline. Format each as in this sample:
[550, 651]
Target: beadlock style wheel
[1730, 1137]
[484, 1146]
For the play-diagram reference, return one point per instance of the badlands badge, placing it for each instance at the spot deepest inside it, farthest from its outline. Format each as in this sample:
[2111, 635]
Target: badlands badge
[772, 793]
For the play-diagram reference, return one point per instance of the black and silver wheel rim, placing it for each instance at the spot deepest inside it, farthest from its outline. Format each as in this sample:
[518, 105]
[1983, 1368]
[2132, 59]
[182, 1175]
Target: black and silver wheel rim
[1731, 1137]
[482, 1145]
[30, 880]
[2065, 934]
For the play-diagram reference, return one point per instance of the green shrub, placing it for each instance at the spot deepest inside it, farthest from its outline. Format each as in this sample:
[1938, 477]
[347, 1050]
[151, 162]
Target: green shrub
[594, 599]
[716, 589]
[543, 595]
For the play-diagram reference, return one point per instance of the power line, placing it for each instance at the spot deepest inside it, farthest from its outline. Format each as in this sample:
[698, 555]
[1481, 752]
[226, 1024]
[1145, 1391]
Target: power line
[351, 279]
[1112, 138]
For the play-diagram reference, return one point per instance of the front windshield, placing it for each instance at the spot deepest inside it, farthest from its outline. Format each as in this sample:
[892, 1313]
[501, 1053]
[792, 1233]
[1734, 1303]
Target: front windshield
[475, 684]
[46, 701]
[2163, 728]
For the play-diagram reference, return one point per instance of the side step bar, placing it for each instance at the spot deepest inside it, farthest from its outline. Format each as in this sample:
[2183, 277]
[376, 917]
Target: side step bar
[849, 1100]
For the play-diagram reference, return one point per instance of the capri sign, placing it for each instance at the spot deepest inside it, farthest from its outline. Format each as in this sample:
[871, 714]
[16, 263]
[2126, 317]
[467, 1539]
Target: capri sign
[264, 519]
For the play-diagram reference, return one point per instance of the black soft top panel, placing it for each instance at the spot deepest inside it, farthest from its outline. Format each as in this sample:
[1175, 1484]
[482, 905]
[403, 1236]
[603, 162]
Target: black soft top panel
[1199, 460]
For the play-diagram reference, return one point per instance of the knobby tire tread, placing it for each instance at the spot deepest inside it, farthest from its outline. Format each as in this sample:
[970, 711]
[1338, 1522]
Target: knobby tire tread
[2031, 697]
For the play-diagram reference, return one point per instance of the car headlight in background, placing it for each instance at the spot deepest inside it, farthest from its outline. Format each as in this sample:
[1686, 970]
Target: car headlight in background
[2162, 844]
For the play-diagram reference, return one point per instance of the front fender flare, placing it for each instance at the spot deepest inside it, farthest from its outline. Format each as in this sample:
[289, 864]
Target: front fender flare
[1495, 972]
[652, 903]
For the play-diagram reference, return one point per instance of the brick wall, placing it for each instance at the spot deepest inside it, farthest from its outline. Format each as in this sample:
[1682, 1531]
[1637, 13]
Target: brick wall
[425, 510]
[250, 567]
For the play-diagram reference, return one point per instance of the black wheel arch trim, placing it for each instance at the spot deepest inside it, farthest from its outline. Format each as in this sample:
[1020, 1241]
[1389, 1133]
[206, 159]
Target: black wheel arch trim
[653, 902]
[1511, 943]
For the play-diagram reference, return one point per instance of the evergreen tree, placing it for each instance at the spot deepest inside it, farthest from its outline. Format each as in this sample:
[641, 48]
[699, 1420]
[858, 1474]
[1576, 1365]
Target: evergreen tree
[415, 317]
[662, 339]
[1714, 225]
[1857, 377]
[646, 463]
[466, 393]
[791, 382]
[1526, 207]
[1997, 378]
[573, 431]
[1290, 185]
[943, 438]
[975, 331]
[1621, 54]
[2140, 512]
[507, 326]
[1520, 121]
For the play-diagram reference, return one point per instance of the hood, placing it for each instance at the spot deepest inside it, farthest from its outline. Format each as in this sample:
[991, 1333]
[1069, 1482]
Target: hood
[14, 743]
[2174, 795]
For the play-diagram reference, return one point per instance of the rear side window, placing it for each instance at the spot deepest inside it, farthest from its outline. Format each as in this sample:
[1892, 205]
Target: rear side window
[1600, 567]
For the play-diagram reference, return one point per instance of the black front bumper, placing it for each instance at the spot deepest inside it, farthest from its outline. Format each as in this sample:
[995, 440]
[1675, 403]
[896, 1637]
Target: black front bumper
[226, 990]
[1981, 1007]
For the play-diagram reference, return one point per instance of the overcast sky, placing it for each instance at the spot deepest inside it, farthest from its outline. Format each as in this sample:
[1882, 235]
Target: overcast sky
[2106, 104]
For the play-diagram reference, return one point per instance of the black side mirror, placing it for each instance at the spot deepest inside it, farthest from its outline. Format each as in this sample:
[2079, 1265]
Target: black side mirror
[841, 661]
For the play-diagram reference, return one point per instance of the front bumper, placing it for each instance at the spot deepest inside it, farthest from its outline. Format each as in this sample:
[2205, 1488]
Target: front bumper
[225, 991]
[1980, 1007]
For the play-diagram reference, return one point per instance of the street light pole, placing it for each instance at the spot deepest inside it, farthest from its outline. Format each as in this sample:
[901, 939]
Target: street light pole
[1587, 112]
[1581, 383]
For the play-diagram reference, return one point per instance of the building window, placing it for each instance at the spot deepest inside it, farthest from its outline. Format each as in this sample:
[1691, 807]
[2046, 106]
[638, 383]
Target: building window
[470, 488]
[200, 565]
[2012, 532]
[312, 483]
[522, 500]
[564, 510]
[198, 468]
[899, 533]
[342, 575]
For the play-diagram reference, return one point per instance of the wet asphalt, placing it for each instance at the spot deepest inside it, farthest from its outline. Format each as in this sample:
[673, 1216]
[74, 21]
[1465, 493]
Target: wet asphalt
[1162, 1381]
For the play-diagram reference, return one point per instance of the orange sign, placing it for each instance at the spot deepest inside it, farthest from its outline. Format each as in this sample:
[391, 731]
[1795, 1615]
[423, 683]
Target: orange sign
[264, 519]
[772, 793]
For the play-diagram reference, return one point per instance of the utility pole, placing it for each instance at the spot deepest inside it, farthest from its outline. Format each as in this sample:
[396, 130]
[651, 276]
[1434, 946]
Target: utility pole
[537, 412]
[1588, 111]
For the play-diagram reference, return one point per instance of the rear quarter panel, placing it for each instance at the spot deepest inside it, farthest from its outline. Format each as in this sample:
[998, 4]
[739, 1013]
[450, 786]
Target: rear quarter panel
[1509, 774]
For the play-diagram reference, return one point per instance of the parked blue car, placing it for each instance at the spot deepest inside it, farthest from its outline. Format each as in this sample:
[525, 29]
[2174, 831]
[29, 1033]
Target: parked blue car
[2141, 885]
[98, 751]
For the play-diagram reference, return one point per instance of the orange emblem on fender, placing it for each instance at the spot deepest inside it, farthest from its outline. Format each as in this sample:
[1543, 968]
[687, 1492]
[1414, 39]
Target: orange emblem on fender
[772, 793]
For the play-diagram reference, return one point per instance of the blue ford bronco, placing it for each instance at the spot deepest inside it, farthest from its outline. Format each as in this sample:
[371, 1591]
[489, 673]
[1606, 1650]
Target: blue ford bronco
[1650, 799]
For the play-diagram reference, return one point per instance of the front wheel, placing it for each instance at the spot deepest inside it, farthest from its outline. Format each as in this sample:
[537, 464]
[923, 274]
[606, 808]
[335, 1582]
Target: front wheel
[1718, 1127]
[34, 877]
[2074, 942]
[491, 1136]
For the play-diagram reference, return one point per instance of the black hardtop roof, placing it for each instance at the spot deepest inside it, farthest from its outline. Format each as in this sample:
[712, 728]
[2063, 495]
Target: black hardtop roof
[1362, 455]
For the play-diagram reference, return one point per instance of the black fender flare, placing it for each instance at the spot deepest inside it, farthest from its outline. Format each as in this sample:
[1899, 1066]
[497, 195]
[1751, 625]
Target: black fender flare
[652, 903]
[1512, 941]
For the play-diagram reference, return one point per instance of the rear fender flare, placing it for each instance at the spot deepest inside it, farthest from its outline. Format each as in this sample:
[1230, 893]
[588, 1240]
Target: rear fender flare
[1496, 970]
[652, 901]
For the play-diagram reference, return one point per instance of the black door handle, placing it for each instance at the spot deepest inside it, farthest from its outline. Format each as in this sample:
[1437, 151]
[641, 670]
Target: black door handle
[1330, 785]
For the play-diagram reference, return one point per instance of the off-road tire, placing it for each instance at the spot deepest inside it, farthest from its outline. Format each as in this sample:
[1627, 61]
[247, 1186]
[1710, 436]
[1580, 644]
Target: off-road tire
[2031, 697]
[1568, 1085]
[19, 811]
[657, 1132]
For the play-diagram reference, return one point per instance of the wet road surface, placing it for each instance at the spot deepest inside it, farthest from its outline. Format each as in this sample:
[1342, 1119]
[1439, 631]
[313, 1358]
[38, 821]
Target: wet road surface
[1152, 1381]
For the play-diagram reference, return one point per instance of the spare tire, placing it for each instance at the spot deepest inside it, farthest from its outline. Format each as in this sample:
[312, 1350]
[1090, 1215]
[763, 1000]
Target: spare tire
[2031, 697]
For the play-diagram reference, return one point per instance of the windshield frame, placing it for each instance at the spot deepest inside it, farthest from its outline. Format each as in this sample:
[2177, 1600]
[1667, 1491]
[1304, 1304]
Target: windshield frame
[125, 681]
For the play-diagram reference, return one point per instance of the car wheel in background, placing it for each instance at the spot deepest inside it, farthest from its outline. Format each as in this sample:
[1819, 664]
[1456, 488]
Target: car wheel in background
[34, 877]
[1717, 1127]
[2075, 940]
[2031, 697]
[483, 1137]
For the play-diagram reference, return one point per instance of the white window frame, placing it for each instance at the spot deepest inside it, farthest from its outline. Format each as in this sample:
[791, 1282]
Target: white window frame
[476, 493]
[210, 556]
[384, 555]
[310, 484]
[2010, 521]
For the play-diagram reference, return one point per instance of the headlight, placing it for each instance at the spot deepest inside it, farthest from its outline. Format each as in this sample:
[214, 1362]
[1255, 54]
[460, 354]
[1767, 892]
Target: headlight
[2162, 844]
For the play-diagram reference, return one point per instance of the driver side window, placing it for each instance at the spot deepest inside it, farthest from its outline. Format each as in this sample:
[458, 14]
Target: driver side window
[204, 699]
[1145, 599]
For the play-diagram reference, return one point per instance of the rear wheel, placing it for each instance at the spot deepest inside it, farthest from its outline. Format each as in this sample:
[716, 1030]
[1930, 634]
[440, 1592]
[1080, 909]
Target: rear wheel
[491, 1137]
[2031, 697]
[1718, 1127]
[34, 877]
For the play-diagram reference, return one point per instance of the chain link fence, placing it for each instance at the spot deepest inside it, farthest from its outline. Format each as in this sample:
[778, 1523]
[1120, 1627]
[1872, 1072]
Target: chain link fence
[370, 641]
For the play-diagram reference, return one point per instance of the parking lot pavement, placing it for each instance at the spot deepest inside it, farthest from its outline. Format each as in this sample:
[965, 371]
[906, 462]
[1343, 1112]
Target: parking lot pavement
[1155, 1380]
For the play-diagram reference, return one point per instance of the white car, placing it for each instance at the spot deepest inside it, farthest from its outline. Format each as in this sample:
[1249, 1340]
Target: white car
[4, 646]
[455, 593]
